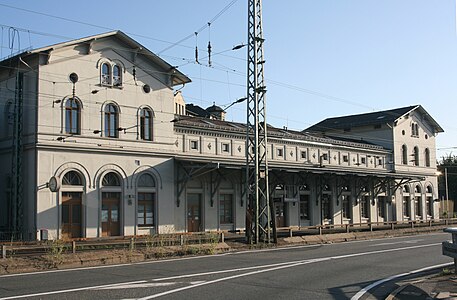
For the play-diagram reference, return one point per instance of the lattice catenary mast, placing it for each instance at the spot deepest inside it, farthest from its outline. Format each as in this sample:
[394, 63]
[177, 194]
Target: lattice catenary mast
[259, 223]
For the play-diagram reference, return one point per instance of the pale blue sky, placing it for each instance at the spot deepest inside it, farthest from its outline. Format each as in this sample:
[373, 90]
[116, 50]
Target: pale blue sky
[323, 58]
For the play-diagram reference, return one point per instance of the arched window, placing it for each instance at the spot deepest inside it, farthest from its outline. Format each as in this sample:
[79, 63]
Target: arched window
[72, 178]
[416, 126]
[416, 156]
[427, 157]
[111, 121]
[106, 74]
[404, 155]
[146, 180]
[146, 124]
[117, 75]
[429, 189]
[406, 189]
[111, 179]
[72, 116]
[146, 200]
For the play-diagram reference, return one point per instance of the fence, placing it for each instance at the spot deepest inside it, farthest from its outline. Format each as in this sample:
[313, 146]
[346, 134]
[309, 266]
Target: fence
[159, 240]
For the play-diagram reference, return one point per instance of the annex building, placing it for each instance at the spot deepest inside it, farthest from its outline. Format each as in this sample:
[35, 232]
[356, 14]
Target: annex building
[95, 142]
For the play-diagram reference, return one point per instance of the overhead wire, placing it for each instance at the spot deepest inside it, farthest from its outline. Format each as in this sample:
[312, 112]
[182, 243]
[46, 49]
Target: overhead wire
[220, 13]
[201, 78]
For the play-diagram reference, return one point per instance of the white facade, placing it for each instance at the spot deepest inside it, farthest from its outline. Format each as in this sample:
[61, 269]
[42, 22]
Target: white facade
[124, 165]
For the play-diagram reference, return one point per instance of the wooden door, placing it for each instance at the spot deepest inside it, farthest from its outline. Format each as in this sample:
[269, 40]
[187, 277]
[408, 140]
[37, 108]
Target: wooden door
[279, 213]
[193, 212]
[110, 214]
[71, 215]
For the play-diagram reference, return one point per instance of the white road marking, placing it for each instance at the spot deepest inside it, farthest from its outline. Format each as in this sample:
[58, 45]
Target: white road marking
[228, 278]
[196, 257]
[276, 267]
[70, 290]
[379, 282]
[137, 285]
[395, 243]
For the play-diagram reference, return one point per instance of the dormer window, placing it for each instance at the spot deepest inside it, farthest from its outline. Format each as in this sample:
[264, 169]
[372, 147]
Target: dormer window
[106, 74]
[414, 130]
[111, 74]
[117, 75]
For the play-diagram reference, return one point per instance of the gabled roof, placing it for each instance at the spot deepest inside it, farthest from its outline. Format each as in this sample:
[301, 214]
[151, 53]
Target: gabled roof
[178, 78]
[373, 118]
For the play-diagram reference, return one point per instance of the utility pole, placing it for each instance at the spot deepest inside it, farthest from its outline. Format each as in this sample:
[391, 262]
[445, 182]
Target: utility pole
[447, 192]
[16, 166]
[259, 216]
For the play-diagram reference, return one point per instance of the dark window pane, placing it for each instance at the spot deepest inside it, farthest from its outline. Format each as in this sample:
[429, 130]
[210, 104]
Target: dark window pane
[76, 214]
[65, 213]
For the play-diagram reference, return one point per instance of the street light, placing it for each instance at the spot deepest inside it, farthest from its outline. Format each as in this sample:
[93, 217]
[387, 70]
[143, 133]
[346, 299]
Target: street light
[235, 102]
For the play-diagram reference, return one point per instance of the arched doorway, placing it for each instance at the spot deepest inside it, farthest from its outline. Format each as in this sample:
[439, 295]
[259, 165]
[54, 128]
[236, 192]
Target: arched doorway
[111, 204]
[71, 213]
[146, 206]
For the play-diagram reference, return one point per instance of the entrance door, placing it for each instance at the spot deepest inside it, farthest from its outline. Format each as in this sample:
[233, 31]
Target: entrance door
[279, 213]
[71, 215]
[193, 212]
[110, 213]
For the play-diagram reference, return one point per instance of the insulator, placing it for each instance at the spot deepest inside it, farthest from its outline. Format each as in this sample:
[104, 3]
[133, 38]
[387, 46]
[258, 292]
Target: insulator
[209, 54]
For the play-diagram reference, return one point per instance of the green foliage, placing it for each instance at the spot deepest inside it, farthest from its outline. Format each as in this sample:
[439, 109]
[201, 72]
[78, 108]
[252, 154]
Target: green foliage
[450, 164]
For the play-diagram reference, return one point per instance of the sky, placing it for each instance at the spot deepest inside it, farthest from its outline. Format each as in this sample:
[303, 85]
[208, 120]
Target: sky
[324, 58]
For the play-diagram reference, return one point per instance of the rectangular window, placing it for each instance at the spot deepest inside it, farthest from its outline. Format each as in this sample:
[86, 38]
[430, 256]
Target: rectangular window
[365, 207]
[418, 206]
[382, 206]
[429, 204]
[225, 147]
[194, 145]
[303, 154]
[406, 211]
[345, 201]
[363, 160]
[145, 213]
[324, 156]
[326, 206]
[279, 152]
[304, 207]
[345, 158]
[225, 209]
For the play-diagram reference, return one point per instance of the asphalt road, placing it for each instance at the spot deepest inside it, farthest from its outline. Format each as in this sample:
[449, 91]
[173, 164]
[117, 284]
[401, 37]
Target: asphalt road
[330, 271]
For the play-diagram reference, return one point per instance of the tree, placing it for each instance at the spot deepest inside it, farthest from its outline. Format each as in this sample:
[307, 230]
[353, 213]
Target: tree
[450, 163]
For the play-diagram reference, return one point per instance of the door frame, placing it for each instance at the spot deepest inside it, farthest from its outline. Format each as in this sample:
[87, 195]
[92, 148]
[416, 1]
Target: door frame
[72, 189]
[202, 210]
[81, 230]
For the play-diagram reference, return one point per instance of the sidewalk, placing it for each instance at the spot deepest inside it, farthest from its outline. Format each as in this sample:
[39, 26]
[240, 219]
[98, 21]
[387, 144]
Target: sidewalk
[440, 285]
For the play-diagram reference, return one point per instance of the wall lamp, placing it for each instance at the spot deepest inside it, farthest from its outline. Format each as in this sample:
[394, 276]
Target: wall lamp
[56, 102]
[97, 131]
[126, 128]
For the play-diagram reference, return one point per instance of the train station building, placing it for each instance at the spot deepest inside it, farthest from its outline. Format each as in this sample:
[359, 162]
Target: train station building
[96, 142]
